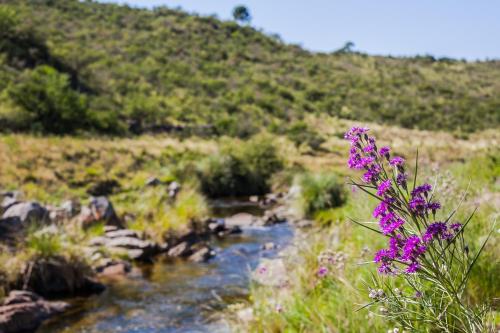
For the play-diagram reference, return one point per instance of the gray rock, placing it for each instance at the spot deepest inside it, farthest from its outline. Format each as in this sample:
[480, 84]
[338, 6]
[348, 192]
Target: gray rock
[71, 208]
[130, 243]
[152, 181]
[241, 220]
[182, 249]
[173, 188]
[122, 233]
[202, 255]
[24, 311]
[99, 209]
[27, 212]
[269, 246]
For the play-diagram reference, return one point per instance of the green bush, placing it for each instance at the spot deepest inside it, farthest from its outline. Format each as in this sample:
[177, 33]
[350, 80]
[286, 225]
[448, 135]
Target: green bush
[319, 192]
[47, 96]
[245, 169]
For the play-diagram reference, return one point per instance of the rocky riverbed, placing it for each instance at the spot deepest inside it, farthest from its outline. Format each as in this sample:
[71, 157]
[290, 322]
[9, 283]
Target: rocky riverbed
[174, 286]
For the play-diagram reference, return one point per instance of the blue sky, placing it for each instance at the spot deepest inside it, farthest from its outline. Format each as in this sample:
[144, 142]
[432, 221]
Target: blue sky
[467, 29]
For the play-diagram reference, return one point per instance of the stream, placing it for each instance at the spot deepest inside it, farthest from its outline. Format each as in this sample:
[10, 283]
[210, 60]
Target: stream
[180, 296]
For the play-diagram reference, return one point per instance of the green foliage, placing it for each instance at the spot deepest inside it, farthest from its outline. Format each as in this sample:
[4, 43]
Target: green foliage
[46, 95]
[239, 170]
[319, 192]
[242, 14]
[300, 133]
[149, 70]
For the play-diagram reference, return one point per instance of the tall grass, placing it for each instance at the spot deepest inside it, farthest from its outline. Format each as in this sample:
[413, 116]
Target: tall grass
[319, 192]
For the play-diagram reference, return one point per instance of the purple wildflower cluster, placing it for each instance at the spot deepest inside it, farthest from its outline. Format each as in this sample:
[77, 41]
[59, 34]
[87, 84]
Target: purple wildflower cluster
[387, 176]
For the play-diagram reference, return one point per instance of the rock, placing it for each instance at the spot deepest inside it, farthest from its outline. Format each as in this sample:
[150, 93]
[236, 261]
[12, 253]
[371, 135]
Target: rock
[71, 208]
[24, 311]
[104, 187]
[271, 272]
[112, 268]
[121, 233]
[180, 250]
[245, 315]
[99, 209]
[127, 242]
[272, 217]
[10, 227]
[27, 212]
[173, 188]
[152, 181]
[269, 246]
[57, 277]
[241, 220]
[202, 254]
[9, 199]
[254, 198]
[304, 224]
[109, 228]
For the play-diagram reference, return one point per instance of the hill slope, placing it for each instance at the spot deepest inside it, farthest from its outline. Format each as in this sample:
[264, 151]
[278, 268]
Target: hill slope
[67, 65]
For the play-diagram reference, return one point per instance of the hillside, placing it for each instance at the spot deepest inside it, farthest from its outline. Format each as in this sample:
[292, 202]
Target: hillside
[69, 66]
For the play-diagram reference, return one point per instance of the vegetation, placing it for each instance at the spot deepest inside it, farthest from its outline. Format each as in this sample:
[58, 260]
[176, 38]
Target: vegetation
[331, 273]
[319, 192]
[240, 169]
[126, 70]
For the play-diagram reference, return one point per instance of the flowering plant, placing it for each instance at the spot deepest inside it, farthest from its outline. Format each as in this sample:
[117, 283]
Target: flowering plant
[431, 256]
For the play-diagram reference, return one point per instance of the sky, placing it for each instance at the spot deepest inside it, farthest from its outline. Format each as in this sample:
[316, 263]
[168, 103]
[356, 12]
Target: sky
[464, 29]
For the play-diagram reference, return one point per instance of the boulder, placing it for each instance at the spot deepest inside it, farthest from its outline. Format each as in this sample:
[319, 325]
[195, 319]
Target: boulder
[182, 249]
[121, 233]
[110, 268]
[9, 199]
[27, 212]
[24, 311]
[152, 181]
[242, 220]
[51, 277]
[71, 208]
[127, 242]
[173, 188]
[202, 254]
[10, 227]
[99, 209]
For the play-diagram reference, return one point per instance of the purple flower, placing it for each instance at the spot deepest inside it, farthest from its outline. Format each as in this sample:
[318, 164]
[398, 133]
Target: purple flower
[401, 179]
[434, 206]
[354, 133]
[422, 189]
[372, 174]
[369, 149]
[384, 187]
[413, 267]
[413, 248]
[381, 209]
[390, 222]
[322, 271]
[438, 229]
[384, 258]
[456, 226]
[396, 161]
[418, 205]
[384, 151]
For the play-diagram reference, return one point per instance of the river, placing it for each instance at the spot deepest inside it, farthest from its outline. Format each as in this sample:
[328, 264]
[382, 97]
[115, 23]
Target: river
[180, 296]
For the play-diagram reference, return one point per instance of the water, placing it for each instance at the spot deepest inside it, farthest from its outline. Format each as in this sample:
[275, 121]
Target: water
[177, 297]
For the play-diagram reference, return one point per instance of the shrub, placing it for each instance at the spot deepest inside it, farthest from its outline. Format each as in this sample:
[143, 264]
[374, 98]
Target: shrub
[319, 192]
[245, 169]
[46, 94]
[428, 262]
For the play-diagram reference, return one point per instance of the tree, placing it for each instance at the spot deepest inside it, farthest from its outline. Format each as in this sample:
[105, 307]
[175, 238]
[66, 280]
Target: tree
[242, 14]
[347, 48]
[46, 94]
